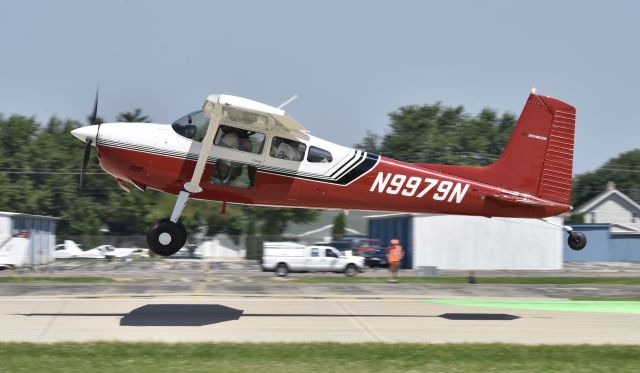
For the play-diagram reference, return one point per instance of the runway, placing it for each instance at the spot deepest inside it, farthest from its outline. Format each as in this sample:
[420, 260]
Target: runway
[305, 319]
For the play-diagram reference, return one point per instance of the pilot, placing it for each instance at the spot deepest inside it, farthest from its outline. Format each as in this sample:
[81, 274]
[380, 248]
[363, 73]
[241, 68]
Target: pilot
[230, 140]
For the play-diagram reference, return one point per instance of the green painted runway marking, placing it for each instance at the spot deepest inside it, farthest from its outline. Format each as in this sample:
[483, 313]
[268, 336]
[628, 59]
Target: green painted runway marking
[549, 305]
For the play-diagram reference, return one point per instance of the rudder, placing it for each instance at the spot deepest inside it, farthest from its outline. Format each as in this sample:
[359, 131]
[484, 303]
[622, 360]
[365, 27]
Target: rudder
[538, 158]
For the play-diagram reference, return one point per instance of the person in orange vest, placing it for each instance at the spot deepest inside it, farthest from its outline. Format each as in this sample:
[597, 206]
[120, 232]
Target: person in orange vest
[394, 257]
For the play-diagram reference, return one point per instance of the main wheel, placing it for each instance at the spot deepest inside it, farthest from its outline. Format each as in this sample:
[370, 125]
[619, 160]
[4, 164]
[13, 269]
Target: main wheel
[282, 270]
[351, 270]
[577, 240]
[165, 238]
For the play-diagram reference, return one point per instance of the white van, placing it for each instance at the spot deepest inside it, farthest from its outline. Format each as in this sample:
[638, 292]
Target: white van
[285, 257]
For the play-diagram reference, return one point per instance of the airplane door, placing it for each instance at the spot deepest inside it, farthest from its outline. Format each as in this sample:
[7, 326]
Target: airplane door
[283, 158]
[238, 153]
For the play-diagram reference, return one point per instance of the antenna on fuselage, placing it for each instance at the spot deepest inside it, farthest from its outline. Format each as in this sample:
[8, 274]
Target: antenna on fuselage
[290, 100]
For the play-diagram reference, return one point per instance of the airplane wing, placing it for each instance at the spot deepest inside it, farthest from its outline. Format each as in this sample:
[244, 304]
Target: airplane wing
[245, 110]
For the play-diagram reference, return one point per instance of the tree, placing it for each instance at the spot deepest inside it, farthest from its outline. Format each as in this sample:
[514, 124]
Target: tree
[370, 143]
[339, 225]
[132, 116]
[624, 170]
[273, 221]
[438, 134]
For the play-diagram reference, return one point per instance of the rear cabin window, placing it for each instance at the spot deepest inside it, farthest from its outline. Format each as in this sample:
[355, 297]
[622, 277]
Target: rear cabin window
[317, 155]
[287, 149]
[239, 139]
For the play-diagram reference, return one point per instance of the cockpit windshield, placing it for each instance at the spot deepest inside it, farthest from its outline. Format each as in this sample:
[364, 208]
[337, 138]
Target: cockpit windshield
[192, 126]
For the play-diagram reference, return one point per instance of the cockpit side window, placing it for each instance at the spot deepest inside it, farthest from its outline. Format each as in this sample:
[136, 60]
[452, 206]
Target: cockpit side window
[317, 155]
[192, 126]
[239, 139]
[287, 149]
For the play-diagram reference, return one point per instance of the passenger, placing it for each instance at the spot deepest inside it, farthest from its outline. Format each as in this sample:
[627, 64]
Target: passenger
[283, 150]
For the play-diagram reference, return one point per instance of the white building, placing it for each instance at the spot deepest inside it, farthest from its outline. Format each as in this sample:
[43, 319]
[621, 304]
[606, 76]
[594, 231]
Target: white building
[42, 232]
[472, 243]
[612, 207]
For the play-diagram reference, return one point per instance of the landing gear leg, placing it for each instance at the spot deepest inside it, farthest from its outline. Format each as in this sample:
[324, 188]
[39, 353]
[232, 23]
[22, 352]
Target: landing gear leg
[577, 240]
[168, 236]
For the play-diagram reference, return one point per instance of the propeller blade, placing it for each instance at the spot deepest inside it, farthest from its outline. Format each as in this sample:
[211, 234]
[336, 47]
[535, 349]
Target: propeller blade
[85, 161]
[94, 115]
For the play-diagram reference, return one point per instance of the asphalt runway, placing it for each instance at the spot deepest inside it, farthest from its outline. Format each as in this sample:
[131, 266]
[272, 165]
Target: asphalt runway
[262, 318]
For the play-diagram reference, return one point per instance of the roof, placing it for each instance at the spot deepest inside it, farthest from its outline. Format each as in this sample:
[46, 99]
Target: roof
[391, 216]
[327, 229]
[603, 196]
[616, 228]
[19, 214]
[354, 220]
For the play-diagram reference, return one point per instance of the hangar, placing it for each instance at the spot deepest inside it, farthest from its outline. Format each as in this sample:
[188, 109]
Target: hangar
[42, 231]
[471, 242]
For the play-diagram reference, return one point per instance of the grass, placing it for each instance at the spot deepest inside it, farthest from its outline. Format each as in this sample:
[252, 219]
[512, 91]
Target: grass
[479, 280]
[60, 279]
[630, 298]
[314, 357]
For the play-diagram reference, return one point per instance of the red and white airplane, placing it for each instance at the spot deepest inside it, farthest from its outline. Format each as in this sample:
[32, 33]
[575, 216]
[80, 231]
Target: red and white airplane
[236, 150]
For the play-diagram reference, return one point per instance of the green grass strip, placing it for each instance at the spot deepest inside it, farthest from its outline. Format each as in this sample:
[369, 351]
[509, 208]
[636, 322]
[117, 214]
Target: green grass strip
[314, 357]
[480, 280]
[75, 280]
[550, 305]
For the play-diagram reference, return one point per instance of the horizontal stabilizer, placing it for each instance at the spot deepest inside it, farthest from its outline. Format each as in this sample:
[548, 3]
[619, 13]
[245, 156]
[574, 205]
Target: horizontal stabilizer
[517, 200]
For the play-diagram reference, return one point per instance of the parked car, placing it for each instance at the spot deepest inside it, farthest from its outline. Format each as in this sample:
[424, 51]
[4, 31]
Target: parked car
[375, 257]
[285, 257]
[355, 244]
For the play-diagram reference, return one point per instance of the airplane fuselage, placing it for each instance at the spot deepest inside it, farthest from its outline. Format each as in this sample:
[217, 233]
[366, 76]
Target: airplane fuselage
[155, 156]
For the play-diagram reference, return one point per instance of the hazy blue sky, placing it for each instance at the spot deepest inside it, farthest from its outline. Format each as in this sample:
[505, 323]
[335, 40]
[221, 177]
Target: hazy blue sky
[351, 62]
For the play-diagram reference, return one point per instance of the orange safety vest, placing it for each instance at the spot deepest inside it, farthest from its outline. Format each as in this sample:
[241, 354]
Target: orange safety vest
[395, 253]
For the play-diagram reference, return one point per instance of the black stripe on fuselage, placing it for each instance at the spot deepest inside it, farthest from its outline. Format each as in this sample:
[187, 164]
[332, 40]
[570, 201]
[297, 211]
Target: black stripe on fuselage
[364, 163]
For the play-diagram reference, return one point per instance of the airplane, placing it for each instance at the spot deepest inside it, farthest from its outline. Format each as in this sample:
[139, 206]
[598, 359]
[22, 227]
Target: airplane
[69, 249]
[236, 150]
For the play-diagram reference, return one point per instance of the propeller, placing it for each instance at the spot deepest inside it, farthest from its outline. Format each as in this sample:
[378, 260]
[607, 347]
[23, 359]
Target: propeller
[87, 146]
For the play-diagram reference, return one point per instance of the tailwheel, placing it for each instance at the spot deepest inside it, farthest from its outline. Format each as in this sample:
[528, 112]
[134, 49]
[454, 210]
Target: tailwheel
[577, 240]
[165, 238]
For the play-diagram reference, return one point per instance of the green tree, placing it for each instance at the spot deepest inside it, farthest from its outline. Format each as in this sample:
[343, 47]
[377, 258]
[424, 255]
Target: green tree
[132, 116]
[439, 134]
[624, 170]
[339, 225]
[273, 221]
[370, 143]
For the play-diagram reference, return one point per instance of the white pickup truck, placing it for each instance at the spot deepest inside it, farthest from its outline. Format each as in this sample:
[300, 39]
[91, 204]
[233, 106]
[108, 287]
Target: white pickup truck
[285, 257]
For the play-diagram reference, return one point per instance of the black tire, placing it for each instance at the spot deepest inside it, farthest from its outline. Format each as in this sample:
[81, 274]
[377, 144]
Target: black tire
[577, 240]
[183, 230]
[165, 238]
[351, 270]
[282, 270]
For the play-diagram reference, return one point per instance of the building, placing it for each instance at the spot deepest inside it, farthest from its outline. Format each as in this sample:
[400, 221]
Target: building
[320, 229]
[42, 230]
[471, 242]
[614, 208]
[612, 227]
[605, 244]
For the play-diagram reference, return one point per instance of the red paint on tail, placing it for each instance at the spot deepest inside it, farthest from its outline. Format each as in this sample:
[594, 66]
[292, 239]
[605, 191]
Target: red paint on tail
[537, 159]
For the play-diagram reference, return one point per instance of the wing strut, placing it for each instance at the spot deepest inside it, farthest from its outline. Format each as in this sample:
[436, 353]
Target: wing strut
[193, 186]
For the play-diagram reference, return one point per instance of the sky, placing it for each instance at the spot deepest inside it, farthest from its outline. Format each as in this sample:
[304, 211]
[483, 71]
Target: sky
[350, 62]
